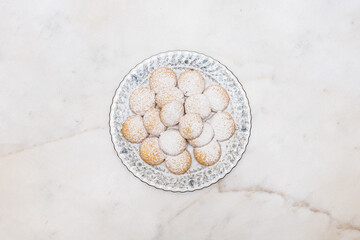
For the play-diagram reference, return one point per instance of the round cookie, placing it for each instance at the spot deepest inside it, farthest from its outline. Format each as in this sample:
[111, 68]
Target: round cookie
[198, 103]
[205, 137]
[162, 78]
[191, 82]
[171, 142]
[190, 125]
[150, 151]
[209, 154]
[223, 125]
[218, 97]
[152, 122]
[179, 164]
[171, 113]
[167, 95]
[141, 100]
[133, 129]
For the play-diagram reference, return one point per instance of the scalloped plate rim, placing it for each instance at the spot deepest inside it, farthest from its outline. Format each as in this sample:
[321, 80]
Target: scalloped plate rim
[112, 107]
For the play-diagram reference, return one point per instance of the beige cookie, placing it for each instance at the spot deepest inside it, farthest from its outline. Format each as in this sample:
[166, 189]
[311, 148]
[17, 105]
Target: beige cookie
[223, 125]
[218, 97]
[179, 164]
[209, 154]
[205, 137]
[171, 142]
[190, 125]
[171, 113]
[168, 95]
[150, 151]
[152, 122]
[162, 78]
[191, 82]
[141, 100]
[198, 103]
[133, 129]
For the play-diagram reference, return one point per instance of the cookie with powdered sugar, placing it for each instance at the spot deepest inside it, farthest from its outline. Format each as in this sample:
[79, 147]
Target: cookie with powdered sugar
[171, 142]
[209, 154]
[179, 164]
[191, 82]
[133, 129]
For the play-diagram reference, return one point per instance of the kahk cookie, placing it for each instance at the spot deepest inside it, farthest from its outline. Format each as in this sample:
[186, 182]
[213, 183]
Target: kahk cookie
[152, 122]
[162, 78]
[167, 95]
[190, 125]
[179, 164]
[141, 100]
[205, 137]
[191, 82]
[209, 154]
[223, 125]
[133, 129]
[171, 142]
[218, 97]
[150, 151]
[171, 113]
[198, 103]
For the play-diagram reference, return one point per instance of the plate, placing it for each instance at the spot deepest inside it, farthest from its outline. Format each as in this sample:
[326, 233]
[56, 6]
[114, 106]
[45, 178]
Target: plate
[198, 176]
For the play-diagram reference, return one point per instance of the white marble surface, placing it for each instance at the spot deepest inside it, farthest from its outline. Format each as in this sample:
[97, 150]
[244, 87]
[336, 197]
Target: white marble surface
[61, 61]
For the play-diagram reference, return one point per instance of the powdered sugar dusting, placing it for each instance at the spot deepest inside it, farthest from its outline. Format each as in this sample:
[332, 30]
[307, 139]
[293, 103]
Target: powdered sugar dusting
[190, 125]
[218, 97]
[152, 122]
[178, 164]
[150, 151]
[162, 78]
[205, 137]
[167, 95]
[171, 113]
[141, 100]
[208, 154]
[133, 129]
[191, 82]
[171, 142]
[198, 103]
[223, 125]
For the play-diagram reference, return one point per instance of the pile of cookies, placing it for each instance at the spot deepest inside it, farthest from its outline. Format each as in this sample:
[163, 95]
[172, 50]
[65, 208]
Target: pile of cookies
[176, 112]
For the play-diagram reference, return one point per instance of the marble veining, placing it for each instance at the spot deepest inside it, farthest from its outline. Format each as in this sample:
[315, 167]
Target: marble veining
[293, 203]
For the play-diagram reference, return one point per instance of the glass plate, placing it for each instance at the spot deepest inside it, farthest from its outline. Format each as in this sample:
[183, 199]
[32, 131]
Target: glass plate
[198, 176]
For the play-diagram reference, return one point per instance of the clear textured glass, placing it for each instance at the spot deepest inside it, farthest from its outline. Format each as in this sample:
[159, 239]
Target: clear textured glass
[198, 176]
